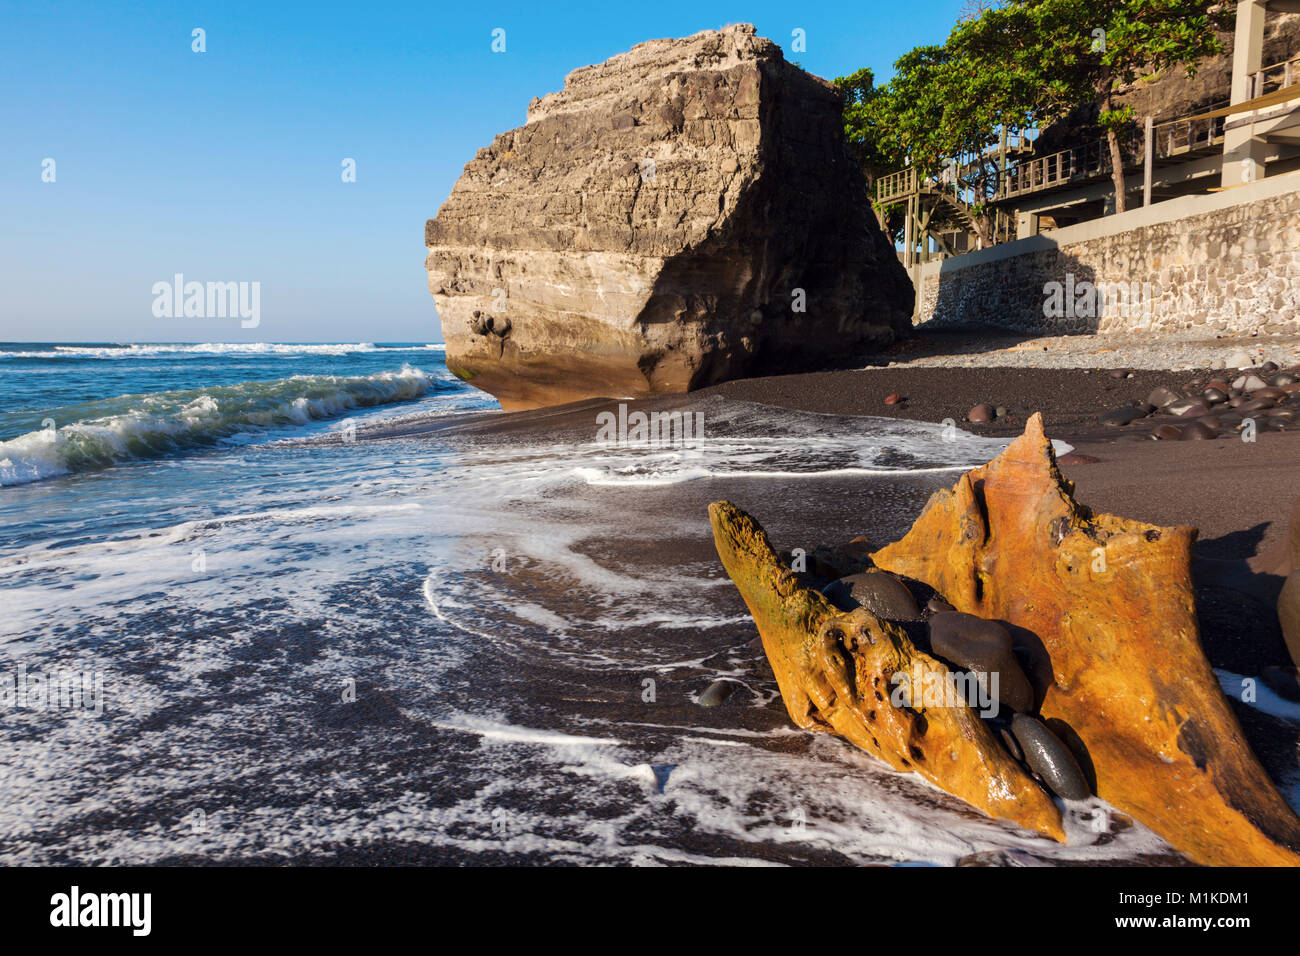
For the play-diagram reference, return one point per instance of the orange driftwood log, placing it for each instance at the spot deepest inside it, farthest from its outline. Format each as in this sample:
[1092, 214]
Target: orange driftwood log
[837, 670]
[1109, 608]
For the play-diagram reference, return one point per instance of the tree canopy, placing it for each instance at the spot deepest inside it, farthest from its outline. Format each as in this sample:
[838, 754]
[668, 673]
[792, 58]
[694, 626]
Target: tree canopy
[1022, 63]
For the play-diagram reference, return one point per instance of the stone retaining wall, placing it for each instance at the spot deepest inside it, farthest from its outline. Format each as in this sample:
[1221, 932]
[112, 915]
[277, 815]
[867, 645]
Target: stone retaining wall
[1214, 264]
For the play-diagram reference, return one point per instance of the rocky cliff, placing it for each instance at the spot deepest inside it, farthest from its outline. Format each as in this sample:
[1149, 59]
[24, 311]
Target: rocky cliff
[681, 214]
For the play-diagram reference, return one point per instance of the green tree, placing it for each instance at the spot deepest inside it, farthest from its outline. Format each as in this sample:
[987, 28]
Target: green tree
[1067, 53]
[1017, 64]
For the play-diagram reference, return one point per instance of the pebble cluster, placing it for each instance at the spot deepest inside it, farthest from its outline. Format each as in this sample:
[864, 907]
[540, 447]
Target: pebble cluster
[1264, 398]
[846, 577]
[1099, 351]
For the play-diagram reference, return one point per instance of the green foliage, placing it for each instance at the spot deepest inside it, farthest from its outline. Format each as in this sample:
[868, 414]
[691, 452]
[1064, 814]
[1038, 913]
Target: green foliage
[1021, 63]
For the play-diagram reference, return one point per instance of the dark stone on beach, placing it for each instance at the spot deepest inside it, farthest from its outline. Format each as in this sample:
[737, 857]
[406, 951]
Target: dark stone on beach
[1195, 431]
[1268, 367]
[1118, 373]
[840, 561]
[1183, 406]
[1284, 681]
[1255, 405]
[984, 647]
[937, 605]
[1277, 394]
[1283, 378]
[1121, 416]
[716, 693]
[1168, 432]
[1194, 411]
[1050, 759]
[882, 594]
[1215, 396]
[981, 413]
[859, 549]
[1161, 396]
[894, 399]
[1009, 741]
[1000, 411]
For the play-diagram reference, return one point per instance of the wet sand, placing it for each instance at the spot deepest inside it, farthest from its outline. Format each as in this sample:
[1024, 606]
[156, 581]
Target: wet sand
[1238, 494]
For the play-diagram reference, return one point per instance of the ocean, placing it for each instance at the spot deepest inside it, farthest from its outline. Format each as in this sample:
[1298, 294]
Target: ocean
[327, 604]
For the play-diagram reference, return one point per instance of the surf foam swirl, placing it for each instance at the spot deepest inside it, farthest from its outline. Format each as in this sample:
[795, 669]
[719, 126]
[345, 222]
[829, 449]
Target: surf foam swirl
[161, 424]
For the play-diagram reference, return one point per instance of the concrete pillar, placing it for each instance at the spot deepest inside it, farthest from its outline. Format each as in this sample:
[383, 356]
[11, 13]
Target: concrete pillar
[1243, 153]
[1147, 160]
[909, 240]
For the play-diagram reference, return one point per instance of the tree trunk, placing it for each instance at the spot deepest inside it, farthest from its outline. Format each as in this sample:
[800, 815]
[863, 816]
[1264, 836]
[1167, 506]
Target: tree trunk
[1116, 169]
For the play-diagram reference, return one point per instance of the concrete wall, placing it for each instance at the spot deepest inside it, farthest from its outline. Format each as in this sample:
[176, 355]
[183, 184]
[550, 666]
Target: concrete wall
[1223, 262]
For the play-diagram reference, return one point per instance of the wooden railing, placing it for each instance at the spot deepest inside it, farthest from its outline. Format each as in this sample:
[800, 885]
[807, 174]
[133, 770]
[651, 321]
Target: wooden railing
[1181, 136]
[1069, 165]
[1274, 77]
[896, 186]
[1170, 139]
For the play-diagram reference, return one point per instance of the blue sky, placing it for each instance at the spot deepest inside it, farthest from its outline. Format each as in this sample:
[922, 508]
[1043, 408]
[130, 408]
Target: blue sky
[225, 165]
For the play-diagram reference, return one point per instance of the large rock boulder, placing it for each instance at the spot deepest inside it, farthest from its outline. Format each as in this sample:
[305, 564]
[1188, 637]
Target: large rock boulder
[682, 214]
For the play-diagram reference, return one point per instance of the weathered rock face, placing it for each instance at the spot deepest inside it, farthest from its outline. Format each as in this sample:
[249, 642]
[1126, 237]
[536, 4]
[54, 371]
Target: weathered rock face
[682, 214]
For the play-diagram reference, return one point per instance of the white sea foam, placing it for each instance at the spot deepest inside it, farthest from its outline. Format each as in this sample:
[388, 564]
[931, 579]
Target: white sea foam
[372, 562]
[210, 348]
[145, 426]
[1263, 698]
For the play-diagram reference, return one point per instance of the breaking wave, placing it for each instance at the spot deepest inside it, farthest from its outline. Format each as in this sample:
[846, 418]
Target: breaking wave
[15, 351]
[161, 424]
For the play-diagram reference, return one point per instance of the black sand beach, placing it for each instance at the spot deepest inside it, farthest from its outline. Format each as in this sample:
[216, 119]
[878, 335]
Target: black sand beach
[1238, 494]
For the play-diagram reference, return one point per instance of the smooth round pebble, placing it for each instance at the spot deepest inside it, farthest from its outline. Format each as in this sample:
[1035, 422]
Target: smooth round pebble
[1050, 759]
[1161, 396]
[716, 693]
[984, 647]
[880, 593]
